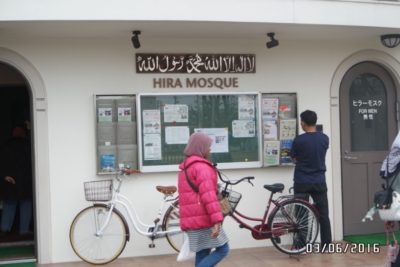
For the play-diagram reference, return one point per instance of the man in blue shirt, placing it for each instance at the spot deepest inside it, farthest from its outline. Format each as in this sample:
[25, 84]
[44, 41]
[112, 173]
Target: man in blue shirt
[308, 152]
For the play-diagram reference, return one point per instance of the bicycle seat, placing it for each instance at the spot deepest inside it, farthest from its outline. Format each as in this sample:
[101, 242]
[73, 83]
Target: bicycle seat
[274, 187]
[168, 190]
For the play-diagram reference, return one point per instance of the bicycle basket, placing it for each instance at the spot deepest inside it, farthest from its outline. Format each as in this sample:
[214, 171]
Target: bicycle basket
[98, 190]
[233, 197]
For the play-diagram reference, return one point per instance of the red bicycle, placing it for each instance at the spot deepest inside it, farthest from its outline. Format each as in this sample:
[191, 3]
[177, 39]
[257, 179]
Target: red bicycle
[291, 225]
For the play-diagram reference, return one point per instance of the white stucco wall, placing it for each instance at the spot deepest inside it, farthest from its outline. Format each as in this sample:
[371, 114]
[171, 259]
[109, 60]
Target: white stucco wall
[74, 69]
[352, 13]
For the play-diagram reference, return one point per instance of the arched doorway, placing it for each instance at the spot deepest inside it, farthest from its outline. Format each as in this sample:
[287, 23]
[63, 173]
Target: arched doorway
[40, 148]
[368, 125]
[15, 108]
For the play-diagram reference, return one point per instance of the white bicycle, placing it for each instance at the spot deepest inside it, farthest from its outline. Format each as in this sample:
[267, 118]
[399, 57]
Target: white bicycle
[98, 233]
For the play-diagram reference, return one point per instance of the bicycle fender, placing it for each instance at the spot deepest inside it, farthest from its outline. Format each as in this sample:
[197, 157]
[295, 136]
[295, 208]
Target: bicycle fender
[120, 215]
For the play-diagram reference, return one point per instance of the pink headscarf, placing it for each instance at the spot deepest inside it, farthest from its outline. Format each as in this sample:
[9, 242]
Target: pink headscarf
[198, 144]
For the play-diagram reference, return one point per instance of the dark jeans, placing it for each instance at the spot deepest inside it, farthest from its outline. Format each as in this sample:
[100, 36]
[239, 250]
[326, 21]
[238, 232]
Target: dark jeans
[8, 215]
[206, 258]
[318, 192]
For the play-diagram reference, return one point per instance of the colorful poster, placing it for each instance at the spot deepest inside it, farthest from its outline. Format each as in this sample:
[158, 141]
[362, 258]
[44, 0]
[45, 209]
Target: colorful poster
[176, 135]
[176, 113]
[124, 114]
[107, 162]
[219, 136]
[246, 107]
[151, 121]
[243, 128]
[287, 129]
[286, 146]
[152, 146]
[270, 108]
[105, 114]
[271, 153]
[287, 107]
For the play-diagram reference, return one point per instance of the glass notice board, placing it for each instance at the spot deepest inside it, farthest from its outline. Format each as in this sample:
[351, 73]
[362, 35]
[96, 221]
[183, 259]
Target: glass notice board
[116, 128]
[279, 123]
[166, 121]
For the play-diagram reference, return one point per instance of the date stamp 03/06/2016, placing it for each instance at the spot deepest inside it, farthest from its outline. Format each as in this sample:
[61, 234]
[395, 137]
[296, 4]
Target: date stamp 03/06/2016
[342, 248]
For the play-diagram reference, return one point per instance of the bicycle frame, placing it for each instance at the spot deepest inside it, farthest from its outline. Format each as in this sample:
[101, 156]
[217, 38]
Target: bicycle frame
[236, 215]
[152, 230]
[262, 229]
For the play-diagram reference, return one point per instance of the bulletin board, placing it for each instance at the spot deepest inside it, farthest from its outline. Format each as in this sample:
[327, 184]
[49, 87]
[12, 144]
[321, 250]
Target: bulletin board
[116, 141]
[279, 127]
[166, 121]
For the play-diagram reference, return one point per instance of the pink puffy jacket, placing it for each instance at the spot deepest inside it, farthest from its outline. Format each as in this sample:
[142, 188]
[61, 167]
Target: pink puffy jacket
[198, 210]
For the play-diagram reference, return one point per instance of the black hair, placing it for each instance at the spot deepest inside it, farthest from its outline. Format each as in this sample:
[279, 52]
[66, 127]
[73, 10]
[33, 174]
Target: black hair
[309, 117]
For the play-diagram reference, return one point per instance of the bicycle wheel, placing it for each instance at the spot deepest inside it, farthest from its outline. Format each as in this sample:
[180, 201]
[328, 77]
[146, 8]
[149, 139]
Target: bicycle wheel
[171, 223]
[98, 248]
[294, 224]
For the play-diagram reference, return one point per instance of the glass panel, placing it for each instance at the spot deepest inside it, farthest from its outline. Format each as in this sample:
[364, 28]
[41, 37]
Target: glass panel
[368, 114]
[213, 114]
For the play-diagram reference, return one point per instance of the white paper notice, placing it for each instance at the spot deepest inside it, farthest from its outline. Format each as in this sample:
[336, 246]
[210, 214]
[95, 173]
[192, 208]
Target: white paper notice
[246, 107]
[270, 130]
[151, 121]
[105, 114]
[176, 113]
[176, 135]
[270, 108]
[243, 128]
[152, 146]
[287, 129]
[220, 138]
[271, 153]
[124, 114]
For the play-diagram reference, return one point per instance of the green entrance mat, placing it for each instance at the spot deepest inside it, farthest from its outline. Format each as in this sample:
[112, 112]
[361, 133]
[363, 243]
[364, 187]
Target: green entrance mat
[23, 250]
[379, 238]
[17, 256]
[25, 264]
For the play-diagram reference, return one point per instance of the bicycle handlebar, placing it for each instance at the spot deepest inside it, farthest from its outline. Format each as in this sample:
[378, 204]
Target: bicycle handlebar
[228, 182]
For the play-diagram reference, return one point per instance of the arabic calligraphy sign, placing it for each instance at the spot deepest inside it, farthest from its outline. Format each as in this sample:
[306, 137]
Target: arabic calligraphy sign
[195, 63]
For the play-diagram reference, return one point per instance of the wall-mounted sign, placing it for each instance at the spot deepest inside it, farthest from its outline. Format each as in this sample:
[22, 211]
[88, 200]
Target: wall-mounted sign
[195, 63]
[200, 82]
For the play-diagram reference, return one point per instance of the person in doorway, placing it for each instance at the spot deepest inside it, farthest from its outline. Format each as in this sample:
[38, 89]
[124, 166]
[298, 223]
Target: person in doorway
[200, 213]
[308, 152]
[17, 180]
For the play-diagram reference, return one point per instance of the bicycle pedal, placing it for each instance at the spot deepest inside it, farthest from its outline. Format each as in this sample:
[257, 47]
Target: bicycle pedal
[152, 245]
[150, 230]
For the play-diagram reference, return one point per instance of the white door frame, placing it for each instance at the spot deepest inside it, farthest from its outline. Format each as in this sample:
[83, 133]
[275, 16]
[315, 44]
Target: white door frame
[40, 149]
[392, 65]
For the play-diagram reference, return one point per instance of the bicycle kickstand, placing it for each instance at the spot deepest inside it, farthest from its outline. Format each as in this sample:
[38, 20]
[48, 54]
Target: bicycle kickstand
[152, 237]
[153, 231]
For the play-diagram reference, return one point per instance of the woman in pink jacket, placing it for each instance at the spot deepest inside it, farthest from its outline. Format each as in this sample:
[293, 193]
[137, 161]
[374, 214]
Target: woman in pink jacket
[200, 212]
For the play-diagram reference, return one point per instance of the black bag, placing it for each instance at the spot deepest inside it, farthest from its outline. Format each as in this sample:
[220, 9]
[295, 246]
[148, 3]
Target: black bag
[383, 199]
